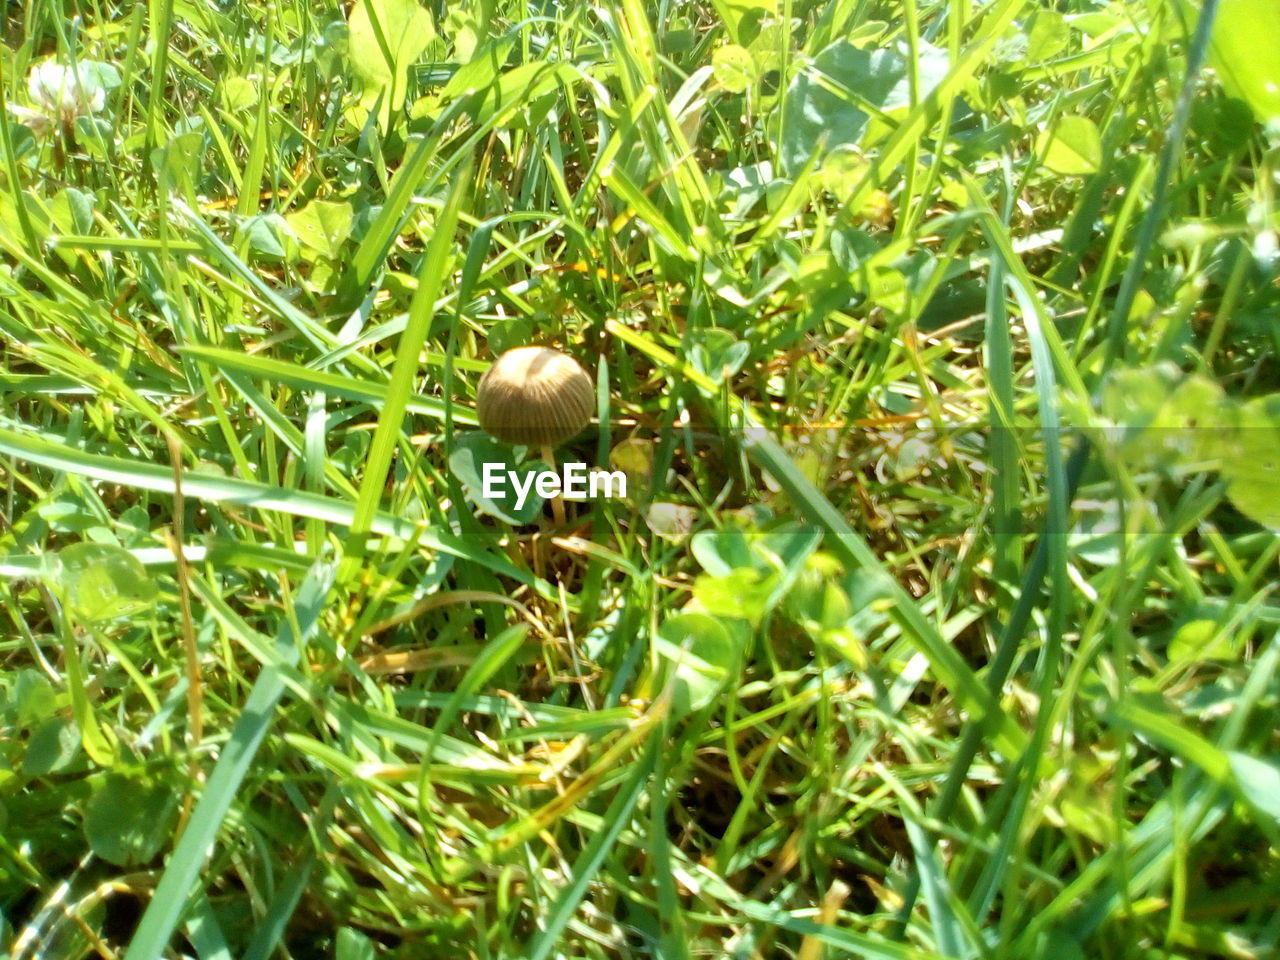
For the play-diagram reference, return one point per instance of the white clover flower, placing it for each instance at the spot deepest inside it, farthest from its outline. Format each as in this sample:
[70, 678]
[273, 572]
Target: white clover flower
[64, 91]
[61, 94]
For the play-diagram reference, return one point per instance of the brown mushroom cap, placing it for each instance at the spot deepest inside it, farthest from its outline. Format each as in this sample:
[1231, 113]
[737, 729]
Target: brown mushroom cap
[535, 397]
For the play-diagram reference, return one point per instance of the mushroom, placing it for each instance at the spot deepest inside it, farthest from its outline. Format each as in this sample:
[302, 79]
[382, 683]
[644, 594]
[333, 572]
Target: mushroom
[536, 397]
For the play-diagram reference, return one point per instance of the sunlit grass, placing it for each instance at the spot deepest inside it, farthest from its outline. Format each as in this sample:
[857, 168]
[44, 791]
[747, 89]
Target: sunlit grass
[936, 342]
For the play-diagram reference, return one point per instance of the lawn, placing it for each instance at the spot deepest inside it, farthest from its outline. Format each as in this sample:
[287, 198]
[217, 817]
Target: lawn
[935, 341]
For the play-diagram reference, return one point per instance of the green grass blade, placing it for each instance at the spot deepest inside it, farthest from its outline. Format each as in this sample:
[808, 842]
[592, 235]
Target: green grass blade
[431, 278]
[182, 873]
[249, 493]
[304, 378]
[588, 863]
[951, 670]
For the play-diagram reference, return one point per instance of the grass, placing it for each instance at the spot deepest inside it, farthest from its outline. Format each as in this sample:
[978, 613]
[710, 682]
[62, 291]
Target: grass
[936, 341]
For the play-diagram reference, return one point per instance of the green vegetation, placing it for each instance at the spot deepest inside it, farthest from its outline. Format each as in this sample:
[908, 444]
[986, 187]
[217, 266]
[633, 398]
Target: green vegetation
[937, 341]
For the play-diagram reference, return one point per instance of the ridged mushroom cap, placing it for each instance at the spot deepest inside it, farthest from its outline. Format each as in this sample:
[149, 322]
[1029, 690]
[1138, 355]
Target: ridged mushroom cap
[535, 397]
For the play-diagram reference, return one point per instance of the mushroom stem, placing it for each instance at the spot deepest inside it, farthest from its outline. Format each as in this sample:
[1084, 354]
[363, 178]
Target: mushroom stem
[557, 502]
